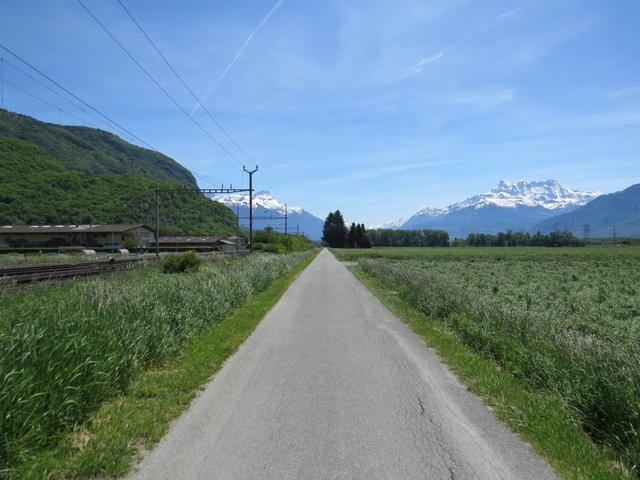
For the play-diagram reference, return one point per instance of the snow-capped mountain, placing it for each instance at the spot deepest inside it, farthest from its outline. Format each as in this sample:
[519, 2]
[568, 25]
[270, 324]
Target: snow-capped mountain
[547, 194]
[429, 211]
[511, 205]
[265, 204]
[392, 225]
[263, 199]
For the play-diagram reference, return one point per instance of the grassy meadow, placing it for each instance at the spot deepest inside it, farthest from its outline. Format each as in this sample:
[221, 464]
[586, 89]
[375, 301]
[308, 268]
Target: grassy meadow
[66, 349]
[565, 321]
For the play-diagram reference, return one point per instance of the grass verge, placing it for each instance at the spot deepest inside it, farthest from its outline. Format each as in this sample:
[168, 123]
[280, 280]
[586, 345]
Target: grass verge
[122, 429]
[543, 420]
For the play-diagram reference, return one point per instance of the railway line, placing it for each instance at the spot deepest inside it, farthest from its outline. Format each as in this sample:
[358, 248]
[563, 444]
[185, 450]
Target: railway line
[35, 273]
[61, 271]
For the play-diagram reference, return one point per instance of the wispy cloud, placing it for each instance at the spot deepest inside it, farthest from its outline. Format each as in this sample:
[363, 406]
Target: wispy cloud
[370, 173]
[238, 54]
[626, 92]
[421, 64]
[514, 11]
[282, 166]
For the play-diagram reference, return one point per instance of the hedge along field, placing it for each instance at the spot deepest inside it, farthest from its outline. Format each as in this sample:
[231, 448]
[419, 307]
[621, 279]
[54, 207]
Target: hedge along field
[568, 322]
[65, 349]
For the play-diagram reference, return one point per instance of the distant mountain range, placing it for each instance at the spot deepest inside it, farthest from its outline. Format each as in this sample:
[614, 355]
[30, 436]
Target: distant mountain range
[68, 174]
[265, 204]
[620, 210]
[515, 205]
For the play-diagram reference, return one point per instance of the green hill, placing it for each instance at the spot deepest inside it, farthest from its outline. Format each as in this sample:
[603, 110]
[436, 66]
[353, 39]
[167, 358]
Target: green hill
[94, 151]
[38, 187]
[621, 209]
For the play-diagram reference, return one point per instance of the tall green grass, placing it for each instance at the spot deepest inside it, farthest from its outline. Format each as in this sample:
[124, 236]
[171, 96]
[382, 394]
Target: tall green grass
[65, 349]
[567, 324]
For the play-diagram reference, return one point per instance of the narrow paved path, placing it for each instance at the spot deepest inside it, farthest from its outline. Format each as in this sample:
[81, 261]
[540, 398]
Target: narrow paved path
[333, 386]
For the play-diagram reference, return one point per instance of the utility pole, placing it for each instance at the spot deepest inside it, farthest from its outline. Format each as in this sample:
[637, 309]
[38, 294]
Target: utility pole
[615, 234]
[157, 221]
[297, 230]
[237, 226]
[250, 172]
[285, 220]
[586, 228]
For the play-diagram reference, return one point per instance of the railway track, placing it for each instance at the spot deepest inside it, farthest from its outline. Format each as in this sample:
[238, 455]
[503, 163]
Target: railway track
[61, 271]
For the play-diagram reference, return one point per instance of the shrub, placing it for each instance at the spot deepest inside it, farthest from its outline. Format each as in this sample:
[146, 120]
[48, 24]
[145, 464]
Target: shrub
[271, 248]
[176, 263]
[131, 243]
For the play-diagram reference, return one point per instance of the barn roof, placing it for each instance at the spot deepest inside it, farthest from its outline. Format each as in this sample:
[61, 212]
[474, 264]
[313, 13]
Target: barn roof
[196, 240]
[186, 239]
[39, 229]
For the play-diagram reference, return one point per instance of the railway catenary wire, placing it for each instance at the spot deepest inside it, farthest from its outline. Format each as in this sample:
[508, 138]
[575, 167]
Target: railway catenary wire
[193, 95]
[184, 83]
[58, 94]
[157, 83]
[126, 133]
[150, 76]
[68, 92]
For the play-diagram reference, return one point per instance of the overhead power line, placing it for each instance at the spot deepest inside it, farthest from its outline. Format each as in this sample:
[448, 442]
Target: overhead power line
[58, 94]
[190, 91]
[1, 82]
[44, 75]
[48, 78]
[33, 95]
[184, 83]
[156, 83]
[208, 180]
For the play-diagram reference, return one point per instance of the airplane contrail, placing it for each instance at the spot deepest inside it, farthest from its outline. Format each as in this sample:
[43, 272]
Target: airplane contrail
[238, 54]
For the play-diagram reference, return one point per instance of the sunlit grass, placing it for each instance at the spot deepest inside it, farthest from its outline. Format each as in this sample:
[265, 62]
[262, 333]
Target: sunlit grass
[66, 349]
[564, 321]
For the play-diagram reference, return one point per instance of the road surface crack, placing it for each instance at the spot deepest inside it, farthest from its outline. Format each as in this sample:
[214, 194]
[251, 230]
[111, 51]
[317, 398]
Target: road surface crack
[452, 475]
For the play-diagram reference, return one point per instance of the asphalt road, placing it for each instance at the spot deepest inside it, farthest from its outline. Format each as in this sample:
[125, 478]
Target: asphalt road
[333, 386]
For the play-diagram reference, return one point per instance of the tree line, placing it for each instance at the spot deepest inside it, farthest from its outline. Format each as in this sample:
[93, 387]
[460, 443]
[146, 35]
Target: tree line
[335, 233]
[409, 238]
[520, 239]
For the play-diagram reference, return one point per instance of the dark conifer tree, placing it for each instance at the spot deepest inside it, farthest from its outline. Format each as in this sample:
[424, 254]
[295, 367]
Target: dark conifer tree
[362, 239]
[351, 238]
[327, 229]
[358, 235]
[334, 232]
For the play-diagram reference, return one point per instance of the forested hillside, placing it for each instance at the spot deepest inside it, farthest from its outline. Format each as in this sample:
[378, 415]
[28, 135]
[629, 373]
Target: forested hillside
[91, 150]
[38, 189]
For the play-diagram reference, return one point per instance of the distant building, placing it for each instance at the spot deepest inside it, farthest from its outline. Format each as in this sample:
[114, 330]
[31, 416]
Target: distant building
[87, 236]
[197, 243]
[237, 241]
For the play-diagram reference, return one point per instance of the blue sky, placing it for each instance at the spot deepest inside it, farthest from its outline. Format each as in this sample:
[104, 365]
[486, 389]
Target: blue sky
[373, 107]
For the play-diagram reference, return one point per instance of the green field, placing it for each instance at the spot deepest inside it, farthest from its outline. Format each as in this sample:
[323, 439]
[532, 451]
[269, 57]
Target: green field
[495, 252]
[563, 320]
[66, 349]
